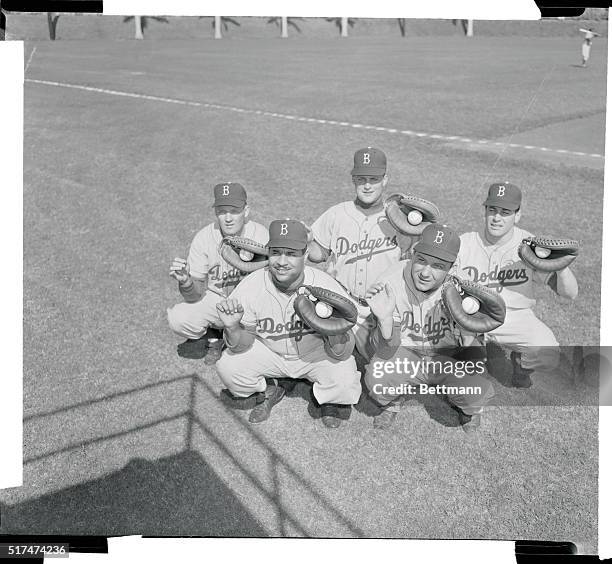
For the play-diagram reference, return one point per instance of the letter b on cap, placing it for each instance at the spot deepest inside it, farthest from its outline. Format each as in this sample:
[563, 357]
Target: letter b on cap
[226, 190]
[366, 158]
[283, 229]
[501, 192]
[439, 238]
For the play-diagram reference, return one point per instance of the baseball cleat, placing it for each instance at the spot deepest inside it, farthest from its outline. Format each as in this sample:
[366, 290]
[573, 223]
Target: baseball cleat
[192, 348]
[332, 415]
[265, 402]
[469, 423]
[385, 419]
[521, 377]
[213, 351]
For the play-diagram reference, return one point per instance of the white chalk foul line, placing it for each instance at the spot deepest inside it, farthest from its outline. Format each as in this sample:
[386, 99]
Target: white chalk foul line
[223, 107]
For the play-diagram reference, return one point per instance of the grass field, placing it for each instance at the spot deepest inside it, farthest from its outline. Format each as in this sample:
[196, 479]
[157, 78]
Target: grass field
[124, 436]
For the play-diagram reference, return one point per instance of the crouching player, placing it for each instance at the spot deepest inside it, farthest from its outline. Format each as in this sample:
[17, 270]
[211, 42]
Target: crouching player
[265, 337]
[416, 339]
[206, 278]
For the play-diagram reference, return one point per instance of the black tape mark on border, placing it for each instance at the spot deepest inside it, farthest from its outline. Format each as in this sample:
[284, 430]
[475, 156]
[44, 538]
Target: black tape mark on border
[83, 6]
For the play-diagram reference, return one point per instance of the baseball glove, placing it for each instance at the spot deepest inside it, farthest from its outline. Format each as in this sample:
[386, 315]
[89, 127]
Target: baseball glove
[340, 347]
[398, 206]
[343, 316]
[254, 254]
[562, 253]
[492, 311]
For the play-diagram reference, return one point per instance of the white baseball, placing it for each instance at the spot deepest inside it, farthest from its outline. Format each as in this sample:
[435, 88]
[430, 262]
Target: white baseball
[323, 310]
[245, 255]
[415, 217]
[541, 252]
[470, 305]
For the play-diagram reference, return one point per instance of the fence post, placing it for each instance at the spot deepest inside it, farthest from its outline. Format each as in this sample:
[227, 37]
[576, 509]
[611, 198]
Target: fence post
[218, 27]
[138, 24]
[284, 27]
[344, 27]
[470, 28]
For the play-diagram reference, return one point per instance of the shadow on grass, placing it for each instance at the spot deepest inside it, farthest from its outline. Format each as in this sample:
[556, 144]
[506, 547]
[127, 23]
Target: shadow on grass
[175, 495]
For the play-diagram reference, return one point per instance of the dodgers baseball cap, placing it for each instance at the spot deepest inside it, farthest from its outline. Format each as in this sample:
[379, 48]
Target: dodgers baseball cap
[439, 241]
[369, 162]
[288, 233]
[504, 195]
[229, 194]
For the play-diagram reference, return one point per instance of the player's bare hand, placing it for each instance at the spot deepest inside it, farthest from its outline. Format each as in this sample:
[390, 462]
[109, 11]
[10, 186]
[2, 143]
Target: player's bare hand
[179, 270]
[381, 299]
[230, 312]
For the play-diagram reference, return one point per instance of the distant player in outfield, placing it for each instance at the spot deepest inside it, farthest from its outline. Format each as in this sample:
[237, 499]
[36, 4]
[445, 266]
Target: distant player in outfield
[490, 257]
[357, 238]
[589, 34]
[205, 278]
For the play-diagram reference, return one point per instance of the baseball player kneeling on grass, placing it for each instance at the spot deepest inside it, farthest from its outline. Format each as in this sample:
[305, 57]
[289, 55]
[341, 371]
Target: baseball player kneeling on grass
[206, 277]
[492, 257]
[266, 338]
[419, 346]
[357, 238]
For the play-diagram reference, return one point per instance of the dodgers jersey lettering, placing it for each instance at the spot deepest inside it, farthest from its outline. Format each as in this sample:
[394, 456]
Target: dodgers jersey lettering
[499, 268]
[423, 322]
[362, 245]
[204, 258]
[269, 313]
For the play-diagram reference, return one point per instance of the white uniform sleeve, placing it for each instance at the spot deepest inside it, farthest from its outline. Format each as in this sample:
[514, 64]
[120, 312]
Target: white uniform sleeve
[260, 234]
[246, 294]
[322, 229]
[198, 257]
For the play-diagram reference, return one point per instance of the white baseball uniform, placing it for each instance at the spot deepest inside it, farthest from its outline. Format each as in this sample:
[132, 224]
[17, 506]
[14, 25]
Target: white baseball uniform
[191, 320]
[284, 346]
[501, 269]
[586, 44]
[426, 333]
[362, 247]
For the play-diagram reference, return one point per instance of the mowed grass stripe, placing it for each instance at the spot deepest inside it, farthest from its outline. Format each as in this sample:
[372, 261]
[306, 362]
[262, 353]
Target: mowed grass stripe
[208, 105]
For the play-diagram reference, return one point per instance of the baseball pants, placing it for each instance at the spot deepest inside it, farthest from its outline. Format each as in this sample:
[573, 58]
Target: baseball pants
[385, 386]
[191, 320]
[524, 333]
[586, 51]
[333, 381]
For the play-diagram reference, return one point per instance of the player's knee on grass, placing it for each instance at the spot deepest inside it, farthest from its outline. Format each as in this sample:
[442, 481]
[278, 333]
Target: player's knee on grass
[182, 324]
[233, 370]
[339, 383]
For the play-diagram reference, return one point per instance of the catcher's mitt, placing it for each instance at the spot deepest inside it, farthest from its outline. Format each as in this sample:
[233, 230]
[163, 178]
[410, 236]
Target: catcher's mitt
[492, 309]
[340, 347]
[398, 206]
[244, 254]
[343, 315]
[562, 253]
